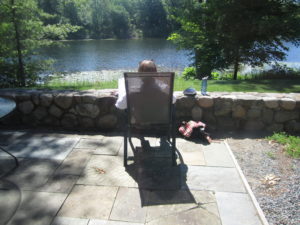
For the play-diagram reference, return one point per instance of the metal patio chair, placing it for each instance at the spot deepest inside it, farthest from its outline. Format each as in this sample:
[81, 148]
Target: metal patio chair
[149, 108]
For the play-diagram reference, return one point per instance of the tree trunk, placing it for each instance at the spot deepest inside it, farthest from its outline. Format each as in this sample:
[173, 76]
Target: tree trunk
[198, 73]
[236, 64]
[21, 71]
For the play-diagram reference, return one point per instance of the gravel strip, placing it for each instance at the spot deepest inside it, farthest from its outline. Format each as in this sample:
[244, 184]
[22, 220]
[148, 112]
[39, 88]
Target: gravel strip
[259, 158]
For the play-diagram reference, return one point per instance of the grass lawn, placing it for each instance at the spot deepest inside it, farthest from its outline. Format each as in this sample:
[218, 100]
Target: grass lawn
[56, 84]
[291, 143]
[281, 86]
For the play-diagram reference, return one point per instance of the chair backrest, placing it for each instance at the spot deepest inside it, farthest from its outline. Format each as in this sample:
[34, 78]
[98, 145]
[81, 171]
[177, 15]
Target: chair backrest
[149, 98]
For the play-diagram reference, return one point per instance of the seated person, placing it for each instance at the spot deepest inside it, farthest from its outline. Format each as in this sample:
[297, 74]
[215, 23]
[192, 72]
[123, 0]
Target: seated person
[150, 86]
[144, 66]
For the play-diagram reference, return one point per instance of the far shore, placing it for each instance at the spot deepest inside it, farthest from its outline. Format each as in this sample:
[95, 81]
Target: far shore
[110, 39]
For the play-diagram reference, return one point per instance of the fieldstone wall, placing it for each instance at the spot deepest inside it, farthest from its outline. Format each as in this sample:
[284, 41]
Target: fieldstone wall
[95, 109]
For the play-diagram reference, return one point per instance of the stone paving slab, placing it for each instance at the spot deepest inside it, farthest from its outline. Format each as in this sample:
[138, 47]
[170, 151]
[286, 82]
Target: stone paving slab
[37, 208]
[166, 203]
[127, 206]
[7, 163]
[113, 173]
[214, 178]
[90, 143]
[236, 209]
[8, 137]
[42, 147]
[110, 222]
[10, 198]
[75, 162]
[89, 202]
[69, 221]
[60, 184]
[216, 154]
[194, 216]
[192, 153]
[103, 146]
[33, 174]
[110, 146]
[158, 177]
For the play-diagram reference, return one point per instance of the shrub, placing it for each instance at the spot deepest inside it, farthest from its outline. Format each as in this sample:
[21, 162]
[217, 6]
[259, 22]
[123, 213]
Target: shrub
[189, 73]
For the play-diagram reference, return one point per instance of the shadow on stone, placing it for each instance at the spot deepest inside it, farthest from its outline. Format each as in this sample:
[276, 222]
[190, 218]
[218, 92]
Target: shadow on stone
[10, 198]
[158, 181]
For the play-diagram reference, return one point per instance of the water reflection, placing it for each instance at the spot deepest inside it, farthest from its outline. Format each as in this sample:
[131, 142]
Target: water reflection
[95, 55]
[124, 55]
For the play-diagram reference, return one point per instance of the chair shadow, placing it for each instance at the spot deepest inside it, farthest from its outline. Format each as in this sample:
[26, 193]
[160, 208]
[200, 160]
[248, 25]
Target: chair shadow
[159, 182]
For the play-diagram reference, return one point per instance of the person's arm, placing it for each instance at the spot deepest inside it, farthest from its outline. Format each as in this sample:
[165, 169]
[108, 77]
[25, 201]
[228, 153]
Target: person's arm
[121, 101]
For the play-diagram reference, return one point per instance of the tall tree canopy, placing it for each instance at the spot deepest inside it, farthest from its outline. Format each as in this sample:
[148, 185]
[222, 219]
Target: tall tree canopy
[22, 31]
[111, 18]
[153, 19]
[224, 33]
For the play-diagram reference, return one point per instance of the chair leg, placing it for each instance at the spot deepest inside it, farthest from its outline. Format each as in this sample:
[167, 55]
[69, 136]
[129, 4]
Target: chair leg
[173, 135]
[173, 147]
[125, 147]
[15, 158]
[173, 151]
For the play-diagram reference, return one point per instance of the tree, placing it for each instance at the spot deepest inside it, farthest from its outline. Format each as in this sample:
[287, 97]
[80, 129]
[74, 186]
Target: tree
[224, 33]
[153, 20]
[120, 22]
[22, 32]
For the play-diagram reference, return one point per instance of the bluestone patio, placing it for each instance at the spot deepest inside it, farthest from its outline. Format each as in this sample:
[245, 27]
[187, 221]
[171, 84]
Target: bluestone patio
[79, 179]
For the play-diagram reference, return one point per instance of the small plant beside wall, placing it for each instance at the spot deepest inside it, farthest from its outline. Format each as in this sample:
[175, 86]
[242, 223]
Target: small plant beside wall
[189, 73]
[291, 143]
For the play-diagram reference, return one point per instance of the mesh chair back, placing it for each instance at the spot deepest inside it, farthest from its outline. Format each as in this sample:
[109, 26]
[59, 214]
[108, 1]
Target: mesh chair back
[149, 98]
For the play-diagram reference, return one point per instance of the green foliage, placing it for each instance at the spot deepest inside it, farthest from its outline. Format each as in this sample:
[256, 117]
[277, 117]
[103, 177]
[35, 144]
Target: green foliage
[152, 19]
[276, 72]
[224, 33]
[110, 18]
[291, 143]
[189, 73]
[22, 32]
[221, 76]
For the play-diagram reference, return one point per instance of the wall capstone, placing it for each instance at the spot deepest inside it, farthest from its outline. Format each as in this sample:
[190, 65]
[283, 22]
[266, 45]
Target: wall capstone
[270, 102]
[205, 101]
[287, 103]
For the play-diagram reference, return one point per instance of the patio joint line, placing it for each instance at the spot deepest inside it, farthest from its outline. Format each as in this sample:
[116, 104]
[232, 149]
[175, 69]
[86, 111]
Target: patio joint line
[113, 203]
[55, 216]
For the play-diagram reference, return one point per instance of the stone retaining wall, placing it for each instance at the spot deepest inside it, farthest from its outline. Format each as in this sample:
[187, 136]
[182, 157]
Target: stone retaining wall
[95, 109]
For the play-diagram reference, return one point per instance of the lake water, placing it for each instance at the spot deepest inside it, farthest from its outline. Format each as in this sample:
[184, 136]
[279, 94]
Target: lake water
[108, 59]
[96, 55]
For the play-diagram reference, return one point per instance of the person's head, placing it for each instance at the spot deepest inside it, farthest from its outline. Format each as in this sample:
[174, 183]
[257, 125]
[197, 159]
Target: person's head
[147, 66]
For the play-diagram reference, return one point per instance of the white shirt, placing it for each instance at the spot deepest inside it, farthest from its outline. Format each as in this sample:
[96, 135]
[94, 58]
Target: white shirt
[122, 101]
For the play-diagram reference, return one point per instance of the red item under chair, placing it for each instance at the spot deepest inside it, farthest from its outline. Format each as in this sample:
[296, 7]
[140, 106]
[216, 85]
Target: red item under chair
[186, 128]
